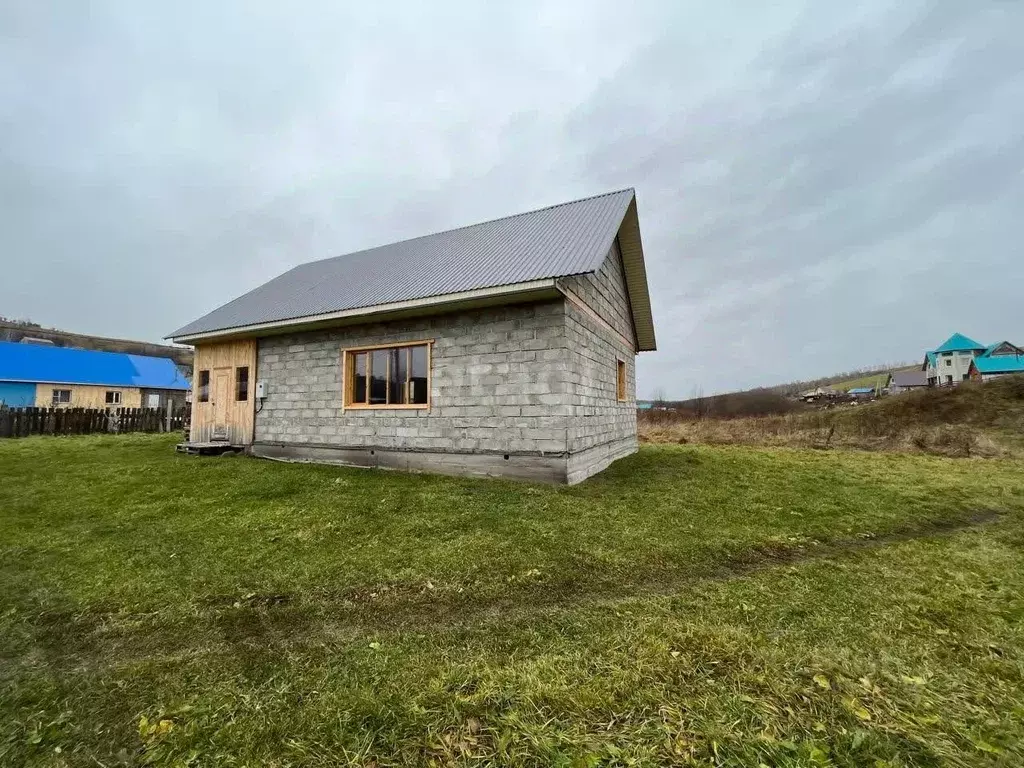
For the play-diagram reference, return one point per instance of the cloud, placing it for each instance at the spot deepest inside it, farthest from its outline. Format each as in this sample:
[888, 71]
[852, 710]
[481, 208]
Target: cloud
[819, 187]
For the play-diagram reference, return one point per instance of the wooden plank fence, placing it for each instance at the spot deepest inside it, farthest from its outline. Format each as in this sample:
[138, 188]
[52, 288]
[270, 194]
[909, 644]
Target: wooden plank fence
[22, 422]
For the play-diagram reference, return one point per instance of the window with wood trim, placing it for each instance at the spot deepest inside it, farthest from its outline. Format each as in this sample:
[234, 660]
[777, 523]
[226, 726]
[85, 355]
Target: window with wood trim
[61, 396]
[242, 383]
[112, 397]
[396, 376]
[204, 387]
[620, 380]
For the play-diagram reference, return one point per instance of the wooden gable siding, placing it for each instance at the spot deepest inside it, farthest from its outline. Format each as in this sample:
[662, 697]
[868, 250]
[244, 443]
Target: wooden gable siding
[1005, 349]
[88, 396]
[235, 416]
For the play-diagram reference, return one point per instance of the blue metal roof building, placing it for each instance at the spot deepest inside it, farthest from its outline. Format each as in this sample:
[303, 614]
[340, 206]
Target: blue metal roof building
[861, 391]
[1002, 364]
[39, 363]
[960, 343]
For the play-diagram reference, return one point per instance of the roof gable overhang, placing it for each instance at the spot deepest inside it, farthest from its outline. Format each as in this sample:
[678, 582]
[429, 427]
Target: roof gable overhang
[1001, 349]
[632, 251]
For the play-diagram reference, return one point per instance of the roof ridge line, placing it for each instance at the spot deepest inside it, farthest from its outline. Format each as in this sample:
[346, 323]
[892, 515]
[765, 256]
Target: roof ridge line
[470, 226]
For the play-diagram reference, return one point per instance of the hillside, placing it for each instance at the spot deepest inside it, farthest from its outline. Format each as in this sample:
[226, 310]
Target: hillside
[13, 330]
[858, 377]
[873, 379]
[779, 399]
[969, 420]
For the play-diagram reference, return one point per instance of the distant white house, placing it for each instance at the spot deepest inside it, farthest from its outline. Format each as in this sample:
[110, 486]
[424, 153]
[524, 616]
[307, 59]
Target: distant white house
[961, 358]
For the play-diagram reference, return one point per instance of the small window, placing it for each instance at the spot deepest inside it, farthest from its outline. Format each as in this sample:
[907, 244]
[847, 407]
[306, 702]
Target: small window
[152, 400]
[949, 379]
[61, 396]
[112, 398]
[242, 383]
[388, 377]
[967, 376]
[949, 361]
[620, 380]
[204, 386]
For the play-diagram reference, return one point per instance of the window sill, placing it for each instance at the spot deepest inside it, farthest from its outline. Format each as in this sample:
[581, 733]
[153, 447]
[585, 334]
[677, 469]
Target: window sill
[363, 407]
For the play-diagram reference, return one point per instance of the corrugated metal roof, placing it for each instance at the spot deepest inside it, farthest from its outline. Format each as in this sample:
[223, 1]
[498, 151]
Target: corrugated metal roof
[993, 347]
[567, 239]
[910, 378]
[1000, 364]
[959, 343]
[68, 365]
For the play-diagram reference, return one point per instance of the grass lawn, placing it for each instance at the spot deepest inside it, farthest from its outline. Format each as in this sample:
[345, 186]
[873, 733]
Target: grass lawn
[715, 605]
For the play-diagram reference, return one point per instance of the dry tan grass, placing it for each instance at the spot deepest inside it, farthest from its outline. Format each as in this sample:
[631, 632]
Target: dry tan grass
[944, 440]
[968, 421]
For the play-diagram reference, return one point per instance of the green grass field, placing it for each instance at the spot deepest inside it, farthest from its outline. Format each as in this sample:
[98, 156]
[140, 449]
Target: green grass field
[871, 380]
[692, 605]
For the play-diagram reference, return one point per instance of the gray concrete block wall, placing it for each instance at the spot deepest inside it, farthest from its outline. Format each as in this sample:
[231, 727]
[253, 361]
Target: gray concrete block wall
[532, 380]
[500, 383]
[605, 292]
[586, 463]
[600, 425]
[598, 417]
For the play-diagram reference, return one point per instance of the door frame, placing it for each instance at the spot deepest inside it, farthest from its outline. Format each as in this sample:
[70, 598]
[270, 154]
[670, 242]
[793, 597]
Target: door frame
[238, 416]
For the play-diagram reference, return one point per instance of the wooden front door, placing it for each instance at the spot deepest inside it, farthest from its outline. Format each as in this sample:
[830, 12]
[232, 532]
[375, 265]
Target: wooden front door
[217, 411]
[221, 402]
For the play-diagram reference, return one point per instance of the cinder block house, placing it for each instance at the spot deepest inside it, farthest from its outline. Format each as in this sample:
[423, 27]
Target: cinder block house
[503, 348]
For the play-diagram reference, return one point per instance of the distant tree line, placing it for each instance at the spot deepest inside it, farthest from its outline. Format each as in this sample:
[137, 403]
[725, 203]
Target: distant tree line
[760, 401]
[25, 323]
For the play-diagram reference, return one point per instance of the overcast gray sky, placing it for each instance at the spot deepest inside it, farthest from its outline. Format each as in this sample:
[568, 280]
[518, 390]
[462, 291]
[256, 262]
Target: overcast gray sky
[820, 185]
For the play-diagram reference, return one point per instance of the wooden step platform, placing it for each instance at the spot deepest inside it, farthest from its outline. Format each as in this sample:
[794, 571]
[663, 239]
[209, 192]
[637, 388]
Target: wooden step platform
[212, 448]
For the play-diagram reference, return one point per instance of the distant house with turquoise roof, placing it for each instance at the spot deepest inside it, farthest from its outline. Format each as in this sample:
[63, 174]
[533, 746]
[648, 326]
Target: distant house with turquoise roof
[1000, 359]
[960, 358]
